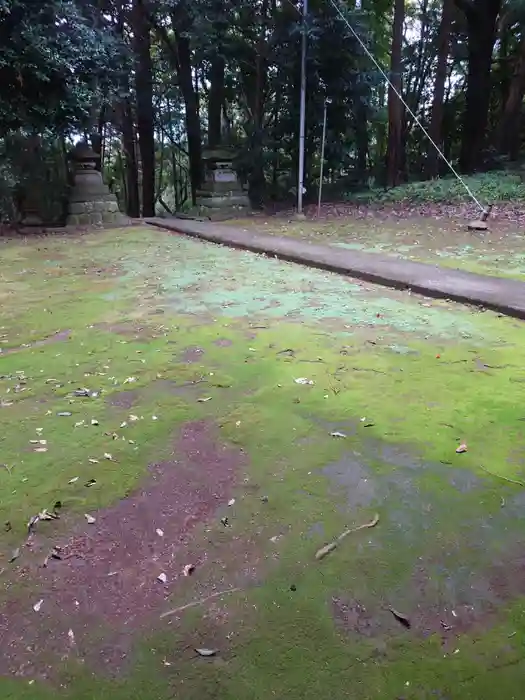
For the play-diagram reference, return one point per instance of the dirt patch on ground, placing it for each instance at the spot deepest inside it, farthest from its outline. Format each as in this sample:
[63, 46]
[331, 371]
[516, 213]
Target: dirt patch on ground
[132, 331]
[105, 588]
[126, 399]
[129, 398]
[353, 618]
[58, 337]
[192, 354]
[444, 611]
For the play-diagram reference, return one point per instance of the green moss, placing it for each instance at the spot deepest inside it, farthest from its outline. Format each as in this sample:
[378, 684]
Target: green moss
[405, 403]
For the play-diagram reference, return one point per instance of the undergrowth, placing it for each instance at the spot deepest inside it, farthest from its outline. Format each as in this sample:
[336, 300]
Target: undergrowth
[487, 187]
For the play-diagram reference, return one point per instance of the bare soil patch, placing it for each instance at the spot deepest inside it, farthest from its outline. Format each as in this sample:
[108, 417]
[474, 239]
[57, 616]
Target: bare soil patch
[58, 337]
[105, 588]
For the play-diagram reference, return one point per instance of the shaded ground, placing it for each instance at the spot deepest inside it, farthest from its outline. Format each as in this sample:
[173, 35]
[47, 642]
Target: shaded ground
[106, 576]
[432, 233]
[150, 382]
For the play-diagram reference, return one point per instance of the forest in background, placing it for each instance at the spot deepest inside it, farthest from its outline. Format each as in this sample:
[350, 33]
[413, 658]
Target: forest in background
[153, 81]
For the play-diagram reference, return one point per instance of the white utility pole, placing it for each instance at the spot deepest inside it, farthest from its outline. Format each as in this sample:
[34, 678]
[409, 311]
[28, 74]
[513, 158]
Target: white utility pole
[302, 117]
[321, 173]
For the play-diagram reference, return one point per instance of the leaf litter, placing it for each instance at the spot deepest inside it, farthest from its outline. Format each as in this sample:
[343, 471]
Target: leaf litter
[206, 652]
[400, 617]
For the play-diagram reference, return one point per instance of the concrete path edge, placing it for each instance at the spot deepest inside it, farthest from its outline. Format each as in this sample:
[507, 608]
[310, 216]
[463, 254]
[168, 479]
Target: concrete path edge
[497, 294]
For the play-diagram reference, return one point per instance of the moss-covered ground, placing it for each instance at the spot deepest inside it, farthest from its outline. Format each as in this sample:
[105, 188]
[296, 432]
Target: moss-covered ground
[150, 323]
[436, 239]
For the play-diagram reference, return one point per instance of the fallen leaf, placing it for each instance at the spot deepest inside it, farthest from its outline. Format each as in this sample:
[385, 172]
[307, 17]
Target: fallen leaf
[89, 483]
[303, 380]
[337, 434]
[462, 448]
[400, 617]
[32, 523]
[37, 606]
[189, 569]
[159, 532]
[206, 652]
[90, 519]
[93, 461]
[14, 555]
[203, 400]
[46, 515]
[133, 418]
[162, 578]
[73, 480]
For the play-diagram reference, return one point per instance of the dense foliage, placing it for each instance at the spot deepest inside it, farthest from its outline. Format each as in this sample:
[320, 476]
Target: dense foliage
[56, 62]
[157, 79]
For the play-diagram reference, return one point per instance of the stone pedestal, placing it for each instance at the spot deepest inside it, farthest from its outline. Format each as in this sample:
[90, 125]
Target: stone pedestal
[31, 211]
[222, 189]
[90, 201]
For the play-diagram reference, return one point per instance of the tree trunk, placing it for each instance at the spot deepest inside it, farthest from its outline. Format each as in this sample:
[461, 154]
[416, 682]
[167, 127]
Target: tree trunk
[362, 141]
[395, 106]
[503, 57]
[509, 128]
[193, 124]
[127, 125]
[179, 54]
[481, 18]
[436, 120]
[131, 177]
[144, 92]
[216, 101]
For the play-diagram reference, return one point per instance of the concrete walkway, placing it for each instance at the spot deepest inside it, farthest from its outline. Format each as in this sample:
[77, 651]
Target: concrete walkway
[503, 295]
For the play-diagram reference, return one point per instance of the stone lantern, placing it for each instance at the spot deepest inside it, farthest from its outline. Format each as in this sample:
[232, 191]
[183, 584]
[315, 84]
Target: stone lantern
[90, 202]
[222, 189]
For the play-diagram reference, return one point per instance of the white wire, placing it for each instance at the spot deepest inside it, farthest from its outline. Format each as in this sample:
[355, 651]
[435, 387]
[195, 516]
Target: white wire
[414, 117]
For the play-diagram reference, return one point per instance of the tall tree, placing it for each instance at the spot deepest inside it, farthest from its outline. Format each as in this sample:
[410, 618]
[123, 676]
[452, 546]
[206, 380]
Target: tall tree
[509, 128]
[144, 92]
[481, 17]
[436, 120]
[395, 106]
[177, 43]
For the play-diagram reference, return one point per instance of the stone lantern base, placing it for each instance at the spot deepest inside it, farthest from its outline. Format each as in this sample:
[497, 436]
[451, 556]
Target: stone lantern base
[222, 189]
[90, 201]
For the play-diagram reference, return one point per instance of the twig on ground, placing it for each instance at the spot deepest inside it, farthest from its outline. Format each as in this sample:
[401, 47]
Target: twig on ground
[321, 553]
[505, 478]
[195, 603]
